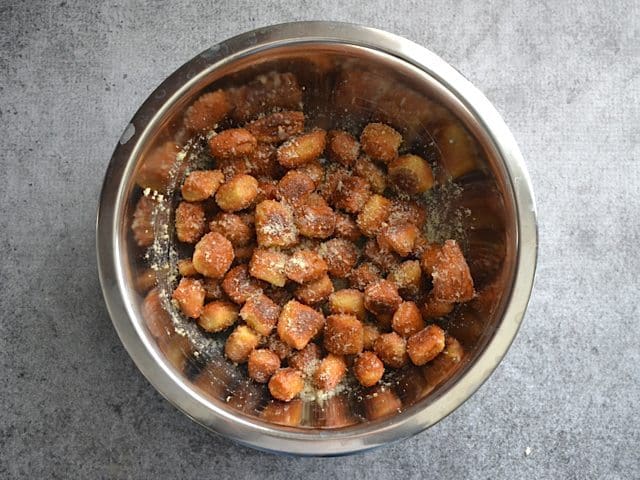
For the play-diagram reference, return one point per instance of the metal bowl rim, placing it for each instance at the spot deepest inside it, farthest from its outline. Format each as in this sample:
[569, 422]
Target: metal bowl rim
[316, 442]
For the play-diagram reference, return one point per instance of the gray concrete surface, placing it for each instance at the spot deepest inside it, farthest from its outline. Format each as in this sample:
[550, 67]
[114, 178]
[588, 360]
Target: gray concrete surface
[566, 77]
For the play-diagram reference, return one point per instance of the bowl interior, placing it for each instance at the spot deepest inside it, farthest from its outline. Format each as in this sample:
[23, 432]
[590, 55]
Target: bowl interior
[345, 86]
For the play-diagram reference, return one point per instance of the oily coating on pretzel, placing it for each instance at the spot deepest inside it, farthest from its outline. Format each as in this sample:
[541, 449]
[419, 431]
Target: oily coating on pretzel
[291, 223]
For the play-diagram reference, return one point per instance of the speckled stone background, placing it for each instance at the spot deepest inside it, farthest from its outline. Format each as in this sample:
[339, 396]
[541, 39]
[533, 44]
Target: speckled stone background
[566, 77]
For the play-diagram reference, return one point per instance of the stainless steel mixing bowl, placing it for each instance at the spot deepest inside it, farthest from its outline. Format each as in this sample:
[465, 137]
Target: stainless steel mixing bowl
[351, 75]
